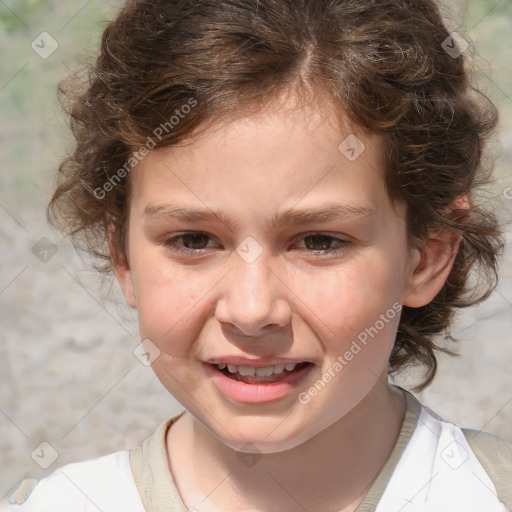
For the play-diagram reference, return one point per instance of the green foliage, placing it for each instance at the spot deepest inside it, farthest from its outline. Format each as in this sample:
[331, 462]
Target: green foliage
[480, 9]
[16, 15]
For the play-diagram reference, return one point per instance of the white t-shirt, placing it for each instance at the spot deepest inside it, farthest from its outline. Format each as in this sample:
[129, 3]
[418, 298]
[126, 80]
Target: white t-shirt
[432, 468]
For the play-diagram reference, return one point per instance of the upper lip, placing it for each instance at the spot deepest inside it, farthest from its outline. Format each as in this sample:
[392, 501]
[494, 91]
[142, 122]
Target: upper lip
[256, 362]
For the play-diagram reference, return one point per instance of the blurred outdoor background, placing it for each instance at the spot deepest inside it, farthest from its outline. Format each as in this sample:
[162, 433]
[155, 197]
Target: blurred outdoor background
[68, 372]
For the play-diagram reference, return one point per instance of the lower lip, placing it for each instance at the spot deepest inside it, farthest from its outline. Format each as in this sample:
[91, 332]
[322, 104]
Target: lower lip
[257, 393]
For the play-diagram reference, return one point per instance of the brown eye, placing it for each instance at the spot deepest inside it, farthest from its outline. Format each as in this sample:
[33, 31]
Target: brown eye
[191, 243]
[322, 245]
[195, 240]
[318, 242]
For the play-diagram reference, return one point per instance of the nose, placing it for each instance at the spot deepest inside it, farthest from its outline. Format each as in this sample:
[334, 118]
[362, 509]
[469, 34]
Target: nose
[254, 299]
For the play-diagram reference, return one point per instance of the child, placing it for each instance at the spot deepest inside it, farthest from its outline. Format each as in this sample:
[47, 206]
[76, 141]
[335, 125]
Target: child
[285, 191]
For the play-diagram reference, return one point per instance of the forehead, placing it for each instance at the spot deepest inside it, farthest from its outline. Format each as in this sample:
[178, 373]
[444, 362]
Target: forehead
[278, 156]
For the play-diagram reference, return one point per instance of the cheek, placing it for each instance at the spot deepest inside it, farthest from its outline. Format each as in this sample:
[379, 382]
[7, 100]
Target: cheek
[172, 304]
[353, 297]
[177, 376]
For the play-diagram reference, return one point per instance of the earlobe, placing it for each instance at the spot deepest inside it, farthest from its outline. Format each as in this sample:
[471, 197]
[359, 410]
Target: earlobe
[124, 277]
[431, 268]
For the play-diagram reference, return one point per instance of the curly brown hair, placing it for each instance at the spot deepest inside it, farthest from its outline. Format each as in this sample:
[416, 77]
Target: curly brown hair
[381, 62]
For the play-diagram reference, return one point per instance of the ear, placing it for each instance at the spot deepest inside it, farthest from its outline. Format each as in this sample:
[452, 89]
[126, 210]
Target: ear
[122, 270]
[431, 264]
[124, 277]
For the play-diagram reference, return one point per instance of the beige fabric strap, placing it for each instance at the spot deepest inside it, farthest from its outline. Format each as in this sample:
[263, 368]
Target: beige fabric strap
[412, 415]
[155, 485]
[152, 476]
[495, 456]
[23, 491]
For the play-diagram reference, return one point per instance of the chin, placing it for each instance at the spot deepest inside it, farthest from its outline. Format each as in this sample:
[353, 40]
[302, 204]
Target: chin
[261, 435]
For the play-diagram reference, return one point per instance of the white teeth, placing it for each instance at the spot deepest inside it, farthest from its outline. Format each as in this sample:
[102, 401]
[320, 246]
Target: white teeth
[265, 371]
[278, 368]
[251, 371]
[247, 371]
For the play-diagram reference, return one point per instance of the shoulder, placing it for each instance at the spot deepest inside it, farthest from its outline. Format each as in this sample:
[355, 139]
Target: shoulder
[478, 462]
[489, 446]
[444, 467]
[495, 456]
[105, 483]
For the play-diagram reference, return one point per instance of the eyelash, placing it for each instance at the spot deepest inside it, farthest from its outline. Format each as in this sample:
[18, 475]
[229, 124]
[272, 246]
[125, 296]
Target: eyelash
[171, 244]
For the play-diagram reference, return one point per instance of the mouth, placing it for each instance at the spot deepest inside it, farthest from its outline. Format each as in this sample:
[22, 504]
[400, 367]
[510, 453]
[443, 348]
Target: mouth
[260, 374]
[252, 383]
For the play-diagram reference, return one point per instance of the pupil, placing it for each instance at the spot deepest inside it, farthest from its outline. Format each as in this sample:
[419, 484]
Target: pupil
[323, 240]
[195, 240]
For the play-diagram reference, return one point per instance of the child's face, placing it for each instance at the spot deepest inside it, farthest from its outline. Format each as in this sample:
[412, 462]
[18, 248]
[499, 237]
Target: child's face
[326, 288]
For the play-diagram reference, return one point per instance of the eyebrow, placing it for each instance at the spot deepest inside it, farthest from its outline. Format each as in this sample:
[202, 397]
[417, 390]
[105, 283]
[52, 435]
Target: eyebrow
[290, 217]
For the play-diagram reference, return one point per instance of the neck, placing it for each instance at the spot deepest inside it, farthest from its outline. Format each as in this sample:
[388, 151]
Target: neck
[331, 471]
